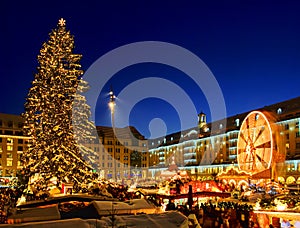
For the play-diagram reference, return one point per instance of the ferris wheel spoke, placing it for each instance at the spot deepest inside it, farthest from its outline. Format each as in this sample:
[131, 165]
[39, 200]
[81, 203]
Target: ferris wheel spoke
[261, 160]
[243, 137]
[264, 145]
[261, 130]
[247, 127]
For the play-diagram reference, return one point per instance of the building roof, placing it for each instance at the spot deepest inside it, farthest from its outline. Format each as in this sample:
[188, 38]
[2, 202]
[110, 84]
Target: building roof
[280, 111]
[124, 133]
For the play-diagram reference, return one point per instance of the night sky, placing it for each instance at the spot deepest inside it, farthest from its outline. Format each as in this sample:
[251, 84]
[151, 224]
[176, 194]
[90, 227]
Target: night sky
[251, 47]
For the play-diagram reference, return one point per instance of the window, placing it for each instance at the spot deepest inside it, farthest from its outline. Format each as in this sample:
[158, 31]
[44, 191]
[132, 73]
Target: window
[297, 145]
[9, 162]
[287, 146]
[125, 158]
[297, 134]
[286, 127]
[9, 148]
[9, 155]
[10, 123]
[109, 142]
[20, 141]
[287, 136]
[20, 148]
[20, 125]
[237, 122]
[117, 150]
[109, 149]
[297, 125]
[279, 111]
[9, 141]
[19, 160]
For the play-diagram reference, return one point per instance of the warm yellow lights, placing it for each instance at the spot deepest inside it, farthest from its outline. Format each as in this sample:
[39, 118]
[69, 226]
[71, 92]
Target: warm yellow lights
[111, 105]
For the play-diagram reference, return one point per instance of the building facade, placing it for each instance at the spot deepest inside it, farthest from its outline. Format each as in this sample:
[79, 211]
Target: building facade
[194, 150]
[12, 144]
[130, 150]
[203, 155]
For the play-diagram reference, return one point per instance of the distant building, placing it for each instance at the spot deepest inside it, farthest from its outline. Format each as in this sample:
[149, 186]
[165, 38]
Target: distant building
[203, 155]
[12, 144]
[131, 153]
[193, 150]
[131, 150]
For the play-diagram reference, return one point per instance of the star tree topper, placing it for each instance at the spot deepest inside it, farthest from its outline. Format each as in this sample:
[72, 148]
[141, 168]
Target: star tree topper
[62, 22]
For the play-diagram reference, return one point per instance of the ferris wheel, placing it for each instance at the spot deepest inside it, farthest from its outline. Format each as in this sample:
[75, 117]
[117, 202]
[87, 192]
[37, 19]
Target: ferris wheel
[255, 143]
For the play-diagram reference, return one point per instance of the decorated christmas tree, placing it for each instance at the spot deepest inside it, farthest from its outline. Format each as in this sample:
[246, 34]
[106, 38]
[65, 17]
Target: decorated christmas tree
[83, 127]
[54, 153]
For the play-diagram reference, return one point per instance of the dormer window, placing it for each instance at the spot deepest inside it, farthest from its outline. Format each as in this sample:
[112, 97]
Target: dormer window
[237, 122]
[279, 111]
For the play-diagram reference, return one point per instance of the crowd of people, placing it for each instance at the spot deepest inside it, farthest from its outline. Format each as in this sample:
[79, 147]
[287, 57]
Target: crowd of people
[223, 215]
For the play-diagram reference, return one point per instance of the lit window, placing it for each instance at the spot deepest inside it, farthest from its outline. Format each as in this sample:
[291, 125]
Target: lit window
[287, 146]
[237, 122]
[9, 141]
[9, 148]
[279, 111]
[9, 162]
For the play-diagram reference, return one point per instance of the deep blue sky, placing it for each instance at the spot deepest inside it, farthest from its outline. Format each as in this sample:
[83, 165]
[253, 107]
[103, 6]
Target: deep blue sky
[251, 47]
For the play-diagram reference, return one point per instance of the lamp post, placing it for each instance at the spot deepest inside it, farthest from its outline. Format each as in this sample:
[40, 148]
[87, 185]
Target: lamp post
[112, 105]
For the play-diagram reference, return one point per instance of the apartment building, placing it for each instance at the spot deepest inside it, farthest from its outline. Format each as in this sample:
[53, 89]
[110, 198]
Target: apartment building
[12, 144]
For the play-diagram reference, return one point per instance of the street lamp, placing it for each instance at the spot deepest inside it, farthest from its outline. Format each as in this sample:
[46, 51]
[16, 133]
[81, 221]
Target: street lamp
[112, 105]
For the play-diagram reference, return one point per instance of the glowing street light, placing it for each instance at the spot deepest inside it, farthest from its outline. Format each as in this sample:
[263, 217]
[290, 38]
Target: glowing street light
[111, 105]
